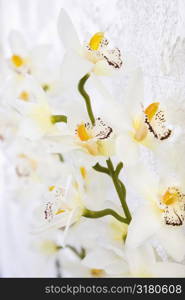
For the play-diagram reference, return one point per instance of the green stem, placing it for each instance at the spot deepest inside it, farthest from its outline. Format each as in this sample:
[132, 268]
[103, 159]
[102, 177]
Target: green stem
[126, 209]
[118, 169]
[86, 97]
[58, 118]
[81, 254]
[101, 169]
[102, 213]
[120, 189]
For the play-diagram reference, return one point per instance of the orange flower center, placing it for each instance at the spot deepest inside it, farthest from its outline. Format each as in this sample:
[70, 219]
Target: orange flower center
[151, 110]
[83, 133]
[170, 197]
[24, 96]
[96, 40]
[17, 61]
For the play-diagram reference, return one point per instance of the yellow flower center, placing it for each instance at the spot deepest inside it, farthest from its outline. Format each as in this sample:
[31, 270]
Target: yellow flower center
[170, 197]
[17, 61]
[83, 172]
[51, 188]
[82, 132]
[151, 110]
[24, 96]
[97, 272]
[96, 40]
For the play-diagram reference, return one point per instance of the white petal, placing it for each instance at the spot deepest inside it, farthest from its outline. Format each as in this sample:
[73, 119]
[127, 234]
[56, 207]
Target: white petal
[145, 223]
[140, 259]
[40, 54]
[173, 241]
[127, 150]
[57, 222]
[67, 31]
[109, 108]
[118, 267]
[74, 67]
[135, 93]
[68, 223]
[30, 130]
[102, 68]
[76, 112]
[72, 266]
[99, 258]
[147, 184]
[17, 43]
[60, 144]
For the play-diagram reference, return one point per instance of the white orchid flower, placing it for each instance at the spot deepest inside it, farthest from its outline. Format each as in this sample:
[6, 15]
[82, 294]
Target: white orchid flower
[62, 207]
[38, 119]
[140, 123]
[102, 58]
[18, 88]
[93, 56]
[30, 162]
[97, 140]
[162, 213]
[38, 61]
[90, 141]
[27, 99]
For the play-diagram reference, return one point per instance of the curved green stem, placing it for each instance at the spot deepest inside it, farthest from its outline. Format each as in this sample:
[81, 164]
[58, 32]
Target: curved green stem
[102, 213]
[86, 97]
[101, 169]
[126, 209]
[120, 188]
[118, 169]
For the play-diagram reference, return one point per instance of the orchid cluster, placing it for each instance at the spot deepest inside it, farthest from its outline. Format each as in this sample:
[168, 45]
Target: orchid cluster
[100, 183]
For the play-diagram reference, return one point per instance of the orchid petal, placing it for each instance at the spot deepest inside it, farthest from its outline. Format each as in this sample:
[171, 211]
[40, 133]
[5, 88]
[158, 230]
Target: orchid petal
[173, 240]
[67, 31]
[145, 223]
